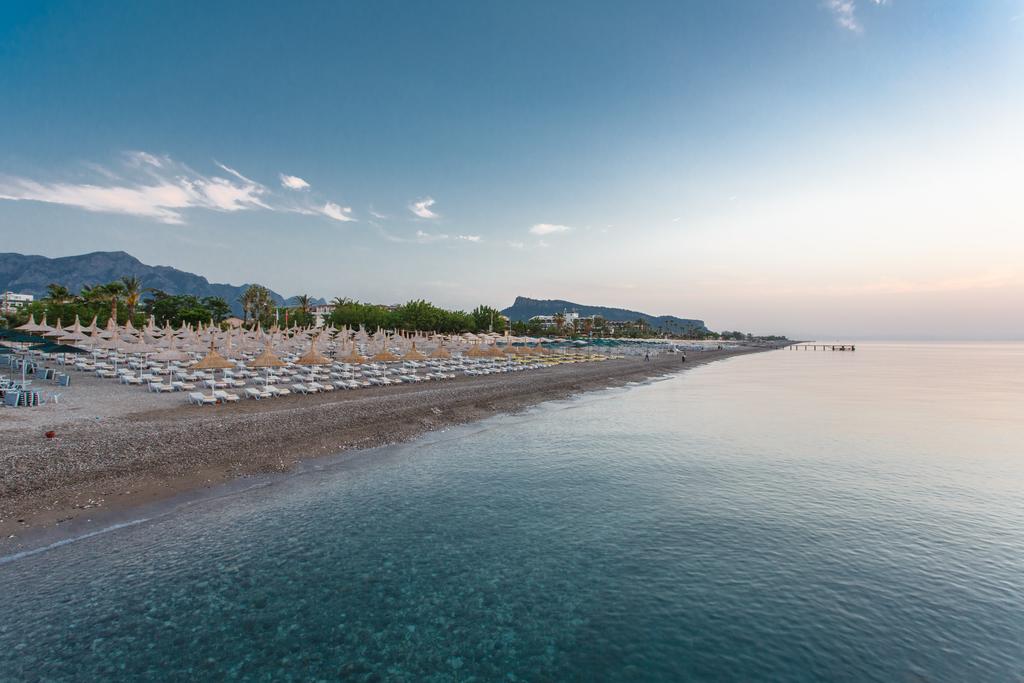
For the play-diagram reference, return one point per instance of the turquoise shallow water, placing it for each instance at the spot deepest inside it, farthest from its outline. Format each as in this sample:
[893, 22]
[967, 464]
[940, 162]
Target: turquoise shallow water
[779, 517]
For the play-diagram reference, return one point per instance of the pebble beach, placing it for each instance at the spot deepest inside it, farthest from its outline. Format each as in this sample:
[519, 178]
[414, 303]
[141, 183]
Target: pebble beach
[115, 447]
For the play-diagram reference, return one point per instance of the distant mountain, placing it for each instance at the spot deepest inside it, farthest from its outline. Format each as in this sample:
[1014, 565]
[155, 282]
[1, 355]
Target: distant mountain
[525, 308]
[31, 275]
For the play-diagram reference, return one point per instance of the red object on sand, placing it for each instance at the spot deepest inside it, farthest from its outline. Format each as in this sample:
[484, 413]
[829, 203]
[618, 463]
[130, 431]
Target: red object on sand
[51, 434]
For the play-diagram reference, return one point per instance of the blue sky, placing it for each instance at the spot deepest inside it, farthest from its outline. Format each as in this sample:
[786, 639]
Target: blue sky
[837, 167]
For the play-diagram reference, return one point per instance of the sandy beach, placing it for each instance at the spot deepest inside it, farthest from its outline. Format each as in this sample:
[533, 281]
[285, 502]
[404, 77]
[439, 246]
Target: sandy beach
[117, 447]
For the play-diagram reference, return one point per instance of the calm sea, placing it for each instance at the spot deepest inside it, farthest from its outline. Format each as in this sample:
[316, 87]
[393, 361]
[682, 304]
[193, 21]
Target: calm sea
[787, 516]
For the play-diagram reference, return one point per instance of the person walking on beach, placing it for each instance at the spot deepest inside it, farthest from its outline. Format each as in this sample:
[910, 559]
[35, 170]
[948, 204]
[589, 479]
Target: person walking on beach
[647, 356]
[682, 358]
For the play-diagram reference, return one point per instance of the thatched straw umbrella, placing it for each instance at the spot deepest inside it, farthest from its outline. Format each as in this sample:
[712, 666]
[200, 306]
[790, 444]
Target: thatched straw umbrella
[213, 361]
[169, 355]
[413, 354]
[354, 357]
[56, 332]
[440, 352]
[267, 360]
[31, 325]
[313, 356]
[385, 356]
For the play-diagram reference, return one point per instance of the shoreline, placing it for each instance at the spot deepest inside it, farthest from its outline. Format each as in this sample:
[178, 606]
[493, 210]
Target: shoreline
[101, 468]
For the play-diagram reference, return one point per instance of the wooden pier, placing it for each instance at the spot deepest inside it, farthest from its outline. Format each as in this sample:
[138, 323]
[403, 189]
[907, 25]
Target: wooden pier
[822, 347]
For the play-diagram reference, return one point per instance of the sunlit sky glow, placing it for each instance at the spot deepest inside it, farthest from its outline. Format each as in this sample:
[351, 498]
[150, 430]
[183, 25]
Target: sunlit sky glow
[836, 168]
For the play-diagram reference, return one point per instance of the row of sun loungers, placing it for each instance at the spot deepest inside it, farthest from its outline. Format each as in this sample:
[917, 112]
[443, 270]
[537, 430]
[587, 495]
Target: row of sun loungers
[206, 388]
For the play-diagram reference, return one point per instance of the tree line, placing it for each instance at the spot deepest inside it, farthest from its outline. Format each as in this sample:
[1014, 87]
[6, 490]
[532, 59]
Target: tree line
[126, 299]
[122, 300]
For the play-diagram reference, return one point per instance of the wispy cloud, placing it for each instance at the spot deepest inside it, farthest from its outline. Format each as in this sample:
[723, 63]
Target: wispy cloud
[515, 244]
[421, 208]
[425, 237]
[470, 238]
[293, 182]
[163, 189]
[337, 212]
[137, 158]
[548, 229]
[845, 13]
[378, 215]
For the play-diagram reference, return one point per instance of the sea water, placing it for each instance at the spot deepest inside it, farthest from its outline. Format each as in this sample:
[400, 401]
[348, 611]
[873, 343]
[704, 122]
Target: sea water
[785, 516]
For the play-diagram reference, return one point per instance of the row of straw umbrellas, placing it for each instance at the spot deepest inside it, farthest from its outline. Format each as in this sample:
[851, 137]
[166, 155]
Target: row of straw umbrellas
[260, 348]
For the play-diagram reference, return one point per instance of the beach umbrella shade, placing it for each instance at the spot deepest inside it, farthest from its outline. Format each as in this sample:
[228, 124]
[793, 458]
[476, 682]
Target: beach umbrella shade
[56, 332]
[385, 356]
[170, 355]
[21, 337]
[213, 361]
[267, 360]
[354, 356]
[50, 347]
[440, 352]
[31, 325]
[413, 354]
[62, 349]
[313, 357]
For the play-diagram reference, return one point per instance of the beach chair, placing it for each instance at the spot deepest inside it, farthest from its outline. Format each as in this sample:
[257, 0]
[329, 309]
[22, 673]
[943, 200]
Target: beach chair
[198, 399]
[254, 393]
[226, 396]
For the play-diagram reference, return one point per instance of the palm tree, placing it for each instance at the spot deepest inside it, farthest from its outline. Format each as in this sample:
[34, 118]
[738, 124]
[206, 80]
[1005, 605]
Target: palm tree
[257, 301]
[58, 294]
[559, 320]
[109, 293]
[132, 287]
[304, 303]
[113, 292]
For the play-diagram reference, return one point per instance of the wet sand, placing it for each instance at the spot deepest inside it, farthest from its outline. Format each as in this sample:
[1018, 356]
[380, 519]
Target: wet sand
[119, 447]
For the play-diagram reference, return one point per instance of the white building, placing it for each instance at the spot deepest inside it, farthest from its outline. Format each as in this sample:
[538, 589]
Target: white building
[568, 319]
[10, 302]
[322, 312]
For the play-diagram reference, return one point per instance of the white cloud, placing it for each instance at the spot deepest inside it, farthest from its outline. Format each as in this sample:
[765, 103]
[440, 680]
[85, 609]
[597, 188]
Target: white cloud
[845, 13]
[293, 182]
[422, 208]
[381, 216]
[470, 238]
[139, 158]
[161, 191]
[516, 244]
[425, 237]
[337, 212]
[548, 229]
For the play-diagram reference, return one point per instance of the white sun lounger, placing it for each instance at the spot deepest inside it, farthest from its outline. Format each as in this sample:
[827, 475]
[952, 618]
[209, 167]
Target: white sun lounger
[226, 396]
[196, 398]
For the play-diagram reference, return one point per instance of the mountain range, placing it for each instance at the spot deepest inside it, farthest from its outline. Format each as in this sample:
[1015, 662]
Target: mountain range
[31, 274]
[525, 308]
[27, 274]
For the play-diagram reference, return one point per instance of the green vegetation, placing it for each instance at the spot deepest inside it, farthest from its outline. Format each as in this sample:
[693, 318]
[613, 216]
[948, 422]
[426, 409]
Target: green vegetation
[416, 315]
[126, 299]
[121, 300]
